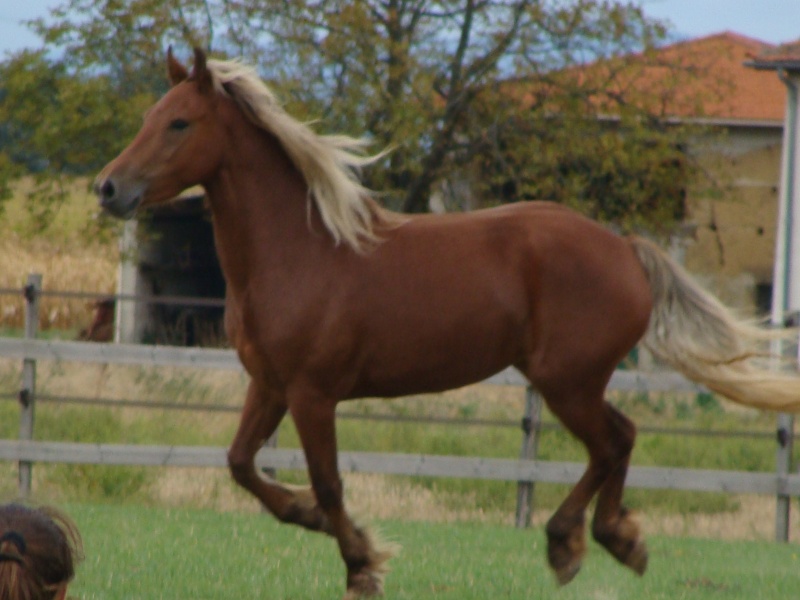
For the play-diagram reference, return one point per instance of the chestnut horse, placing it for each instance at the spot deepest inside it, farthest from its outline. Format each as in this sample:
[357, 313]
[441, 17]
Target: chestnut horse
[331, 297]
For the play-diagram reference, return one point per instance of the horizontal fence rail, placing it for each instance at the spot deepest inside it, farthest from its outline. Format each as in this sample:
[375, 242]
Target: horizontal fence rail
[417, 465]
[382, 417]
[64, 400]
[165, 300]
[207, 358]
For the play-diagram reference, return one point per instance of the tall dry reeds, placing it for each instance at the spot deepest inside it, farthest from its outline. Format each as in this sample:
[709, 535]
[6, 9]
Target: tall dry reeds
[66, 251]
[85, 269]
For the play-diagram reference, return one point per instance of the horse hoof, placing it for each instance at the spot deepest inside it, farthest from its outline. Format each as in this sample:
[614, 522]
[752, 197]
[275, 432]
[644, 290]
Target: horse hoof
[565, 552]
[567, 573]
[364, 585]
[637, 559]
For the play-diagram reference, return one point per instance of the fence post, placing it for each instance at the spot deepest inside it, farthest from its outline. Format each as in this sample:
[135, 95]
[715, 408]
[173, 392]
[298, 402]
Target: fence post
[784, 467]
[272, 442]
[531, 427]
[27, 391]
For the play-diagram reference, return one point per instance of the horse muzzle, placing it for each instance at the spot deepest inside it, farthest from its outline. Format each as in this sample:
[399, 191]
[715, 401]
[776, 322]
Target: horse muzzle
[118, 200]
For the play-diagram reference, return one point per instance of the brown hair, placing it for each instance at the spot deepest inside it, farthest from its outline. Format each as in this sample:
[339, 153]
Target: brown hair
[39, 549]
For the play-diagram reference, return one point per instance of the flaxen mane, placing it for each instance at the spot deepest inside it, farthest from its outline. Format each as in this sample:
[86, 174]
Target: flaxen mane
[330, 164]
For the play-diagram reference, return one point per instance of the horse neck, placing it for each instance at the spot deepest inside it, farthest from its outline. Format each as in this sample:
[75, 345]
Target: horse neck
[259, 204]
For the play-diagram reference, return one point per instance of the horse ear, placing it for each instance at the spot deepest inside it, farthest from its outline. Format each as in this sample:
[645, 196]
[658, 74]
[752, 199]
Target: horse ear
[200, 72]
[177, 72]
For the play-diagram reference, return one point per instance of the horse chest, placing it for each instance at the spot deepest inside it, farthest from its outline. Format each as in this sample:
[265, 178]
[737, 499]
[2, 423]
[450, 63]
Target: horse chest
[271, 345]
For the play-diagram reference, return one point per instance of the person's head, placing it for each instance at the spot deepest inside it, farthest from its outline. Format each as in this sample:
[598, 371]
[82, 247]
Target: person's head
[39, 549]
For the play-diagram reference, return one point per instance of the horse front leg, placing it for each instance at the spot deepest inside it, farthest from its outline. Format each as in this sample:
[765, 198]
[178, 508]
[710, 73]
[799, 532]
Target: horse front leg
[314, 417]
[262, 413]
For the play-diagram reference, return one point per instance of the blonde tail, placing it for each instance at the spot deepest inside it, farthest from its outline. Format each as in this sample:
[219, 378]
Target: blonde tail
[696, 334]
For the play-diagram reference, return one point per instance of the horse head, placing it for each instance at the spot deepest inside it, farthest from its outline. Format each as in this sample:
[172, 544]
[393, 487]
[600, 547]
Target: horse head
[178, 146]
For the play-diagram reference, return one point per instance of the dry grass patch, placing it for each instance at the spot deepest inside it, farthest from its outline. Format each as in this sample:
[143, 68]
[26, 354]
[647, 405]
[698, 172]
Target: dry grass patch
[71, 253]
[90, 269]
[754, 520]
[373, 497]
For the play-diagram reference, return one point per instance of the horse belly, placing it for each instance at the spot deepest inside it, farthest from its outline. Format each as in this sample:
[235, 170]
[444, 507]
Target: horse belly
[438, 349]
[413, 377]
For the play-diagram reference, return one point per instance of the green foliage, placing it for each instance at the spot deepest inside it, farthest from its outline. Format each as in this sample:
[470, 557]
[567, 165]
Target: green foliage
[123, 42]
[57, 124]
[84, 481]
[8, 171]
[633, 176]
[99, 482]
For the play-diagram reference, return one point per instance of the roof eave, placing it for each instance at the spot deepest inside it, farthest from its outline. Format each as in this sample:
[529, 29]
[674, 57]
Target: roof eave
[731, 122]
[788, 65]
[711, 121]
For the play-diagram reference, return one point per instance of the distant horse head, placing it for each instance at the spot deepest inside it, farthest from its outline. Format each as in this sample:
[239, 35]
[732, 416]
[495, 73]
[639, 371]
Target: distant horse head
[175, 149]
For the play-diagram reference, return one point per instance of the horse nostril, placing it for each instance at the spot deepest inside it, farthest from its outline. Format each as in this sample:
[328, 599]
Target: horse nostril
[107, 190]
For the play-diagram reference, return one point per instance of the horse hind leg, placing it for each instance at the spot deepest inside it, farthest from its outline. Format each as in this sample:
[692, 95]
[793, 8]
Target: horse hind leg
[609, 441]
[364, 557]
[613, 526]
[261, 415]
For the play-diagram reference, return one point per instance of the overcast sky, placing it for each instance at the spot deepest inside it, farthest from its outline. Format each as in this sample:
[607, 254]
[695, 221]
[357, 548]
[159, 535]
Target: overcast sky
[773, 21]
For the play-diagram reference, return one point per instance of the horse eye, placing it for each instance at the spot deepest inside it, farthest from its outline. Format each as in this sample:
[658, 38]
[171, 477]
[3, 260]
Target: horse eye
[179, 124]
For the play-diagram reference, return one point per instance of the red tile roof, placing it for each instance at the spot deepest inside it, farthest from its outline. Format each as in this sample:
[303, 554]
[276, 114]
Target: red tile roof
[752, 94]
[715, 72]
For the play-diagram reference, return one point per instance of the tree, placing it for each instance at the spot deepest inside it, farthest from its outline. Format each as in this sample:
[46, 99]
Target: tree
[430, 79]
[601, 138]
[125, 40]
[55, 124]
[415, 73]
[625, 173]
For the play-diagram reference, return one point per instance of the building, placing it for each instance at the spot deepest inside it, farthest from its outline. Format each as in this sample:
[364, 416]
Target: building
[732, 205]
[733, 243]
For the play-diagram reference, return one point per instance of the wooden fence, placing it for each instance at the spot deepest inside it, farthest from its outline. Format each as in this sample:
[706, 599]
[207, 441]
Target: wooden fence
[526, 470]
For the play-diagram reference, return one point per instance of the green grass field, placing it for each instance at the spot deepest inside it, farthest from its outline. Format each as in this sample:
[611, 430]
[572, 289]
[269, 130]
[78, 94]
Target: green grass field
[147, 553]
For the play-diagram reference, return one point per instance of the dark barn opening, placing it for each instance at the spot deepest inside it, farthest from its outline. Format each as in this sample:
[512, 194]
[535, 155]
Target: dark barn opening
[175, 257]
